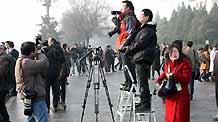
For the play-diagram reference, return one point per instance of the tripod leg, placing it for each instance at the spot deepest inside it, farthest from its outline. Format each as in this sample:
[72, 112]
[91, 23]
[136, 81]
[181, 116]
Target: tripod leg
[87, 91]
[96, 94]
[106, 90]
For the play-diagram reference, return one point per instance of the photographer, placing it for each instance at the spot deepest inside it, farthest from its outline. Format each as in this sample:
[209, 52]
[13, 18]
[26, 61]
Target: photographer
[144, 46]
[128, 27]
[30, 71]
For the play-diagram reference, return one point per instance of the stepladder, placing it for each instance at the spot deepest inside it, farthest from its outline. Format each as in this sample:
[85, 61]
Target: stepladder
[147, 116]
[127, 101]
[126, 106]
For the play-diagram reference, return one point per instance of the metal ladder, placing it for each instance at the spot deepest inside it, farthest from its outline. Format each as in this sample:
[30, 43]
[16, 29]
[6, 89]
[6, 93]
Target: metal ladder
[149, 116]
[127, 101]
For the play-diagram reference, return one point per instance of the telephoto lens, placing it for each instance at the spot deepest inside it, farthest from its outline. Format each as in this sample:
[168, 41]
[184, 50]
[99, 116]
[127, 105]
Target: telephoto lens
[27, 103]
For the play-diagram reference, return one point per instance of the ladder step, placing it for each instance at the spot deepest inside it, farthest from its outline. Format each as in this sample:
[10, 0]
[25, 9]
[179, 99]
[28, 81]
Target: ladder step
[128, 108]
[145, 117]
[145, 113]
[123, 108]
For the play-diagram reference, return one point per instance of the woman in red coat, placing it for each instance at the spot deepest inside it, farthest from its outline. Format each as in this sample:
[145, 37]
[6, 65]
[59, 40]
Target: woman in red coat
[178, 104]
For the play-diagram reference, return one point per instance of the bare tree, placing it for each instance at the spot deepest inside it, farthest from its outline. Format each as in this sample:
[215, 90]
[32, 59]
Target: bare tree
[84, 20]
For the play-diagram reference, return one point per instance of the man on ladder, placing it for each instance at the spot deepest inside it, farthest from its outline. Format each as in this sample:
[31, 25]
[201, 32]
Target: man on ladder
[128, 26]
[142, 50]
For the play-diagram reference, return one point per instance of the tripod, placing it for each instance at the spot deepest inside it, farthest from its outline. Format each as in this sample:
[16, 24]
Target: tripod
[96, 87]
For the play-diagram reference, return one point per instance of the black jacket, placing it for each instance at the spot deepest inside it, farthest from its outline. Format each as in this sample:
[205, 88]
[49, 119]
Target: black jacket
[56, 58]
[145, 40]
[7, 63]
[14, 53]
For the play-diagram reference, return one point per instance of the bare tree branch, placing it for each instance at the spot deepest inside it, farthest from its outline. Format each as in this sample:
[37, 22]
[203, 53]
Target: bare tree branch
[84, 20]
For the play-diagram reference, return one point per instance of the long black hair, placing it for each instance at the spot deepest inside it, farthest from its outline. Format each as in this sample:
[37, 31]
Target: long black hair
[170, 51]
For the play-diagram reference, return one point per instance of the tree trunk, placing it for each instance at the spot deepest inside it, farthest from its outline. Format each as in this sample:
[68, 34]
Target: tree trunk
[87, 41]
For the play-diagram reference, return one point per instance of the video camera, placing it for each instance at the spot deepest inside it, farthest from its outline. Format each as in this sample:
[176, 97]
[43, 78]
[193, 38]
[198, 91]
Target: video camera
[41, 44]
[115, 12]
[96, 54]
[116, 22]
[38, 39]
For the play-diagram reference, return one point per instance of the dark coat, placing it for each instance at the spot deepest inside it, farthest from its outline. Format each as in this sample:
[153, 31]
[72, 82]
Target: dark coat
[14, 53]
[7, 64]
[65, 71]
[145, 41]
[216, 77]
[14, 56]
[156, 63]
[56, 58]
[145, 38]
[178, 104]
[109, 56]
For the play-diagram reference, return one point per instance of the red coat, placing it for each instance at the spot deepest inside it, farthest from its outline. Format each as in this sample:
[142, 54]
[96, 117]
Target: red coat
[122, 36]
[178, 105]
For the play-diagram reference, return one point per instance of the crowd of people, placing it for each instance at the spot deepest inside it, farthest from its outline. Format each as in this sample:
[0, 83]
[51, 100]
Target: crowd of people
[36, 70]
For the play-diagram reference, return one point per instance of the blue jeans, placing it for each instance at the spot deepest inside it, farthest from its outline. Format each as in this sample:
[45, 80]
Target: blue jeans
[40, 112]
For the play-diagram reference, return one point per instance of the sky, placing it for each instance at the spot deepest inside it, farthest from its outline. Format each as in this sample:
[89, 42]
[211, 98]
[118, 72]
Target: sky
[19, 18]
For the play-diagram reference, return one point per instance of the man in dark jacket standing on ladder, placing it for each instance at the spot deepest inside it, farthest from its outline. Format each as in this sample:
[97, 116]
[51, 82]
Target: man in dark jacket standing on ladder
[142, 51]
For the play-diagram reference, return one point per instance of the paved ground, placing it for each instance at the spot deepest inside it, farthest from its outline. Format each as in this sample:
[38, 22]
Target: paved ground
[202, 107]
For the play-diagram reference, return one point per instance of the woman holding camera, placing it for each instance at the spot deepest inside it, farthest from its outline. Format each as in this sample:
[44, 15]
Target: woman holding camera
[178, 66]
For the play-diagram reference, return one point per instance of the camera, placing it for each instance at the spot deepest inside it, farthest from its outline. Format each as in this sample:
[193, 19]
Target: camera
[116, 29]
[38, 39]
[28, 97]
[40, 44]
[115, 12]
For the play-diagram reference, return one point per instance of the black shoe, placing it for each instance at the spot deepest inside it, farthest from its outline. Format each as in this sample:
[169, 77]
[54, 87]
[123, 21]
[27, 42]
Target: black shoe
[123, 84]
[125, 88]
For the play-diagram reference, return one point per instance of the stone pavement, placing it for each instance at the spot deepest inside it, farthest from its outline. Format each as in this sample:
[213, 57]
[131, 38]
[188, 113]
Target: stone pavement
[202, 107]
